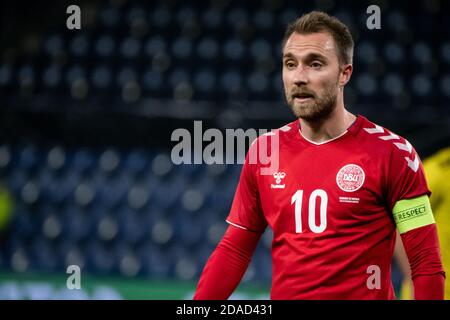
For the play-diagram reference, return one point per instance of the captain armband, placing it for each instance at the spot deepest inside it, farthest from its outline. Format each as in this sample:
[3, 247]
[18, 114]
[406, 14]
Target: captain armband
[410, 214]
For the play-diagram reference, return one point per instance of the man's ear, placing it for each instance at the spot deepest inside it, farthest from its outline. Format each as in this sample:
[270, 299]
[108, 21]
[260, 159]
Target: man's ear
[345, 74]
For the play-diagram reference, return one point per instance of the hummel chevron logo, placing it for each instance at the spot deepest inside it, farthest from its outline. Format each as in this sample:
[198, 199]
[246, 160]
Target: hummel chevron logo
[414, 165]
[377, 129]
[404, 146]
[392, 136]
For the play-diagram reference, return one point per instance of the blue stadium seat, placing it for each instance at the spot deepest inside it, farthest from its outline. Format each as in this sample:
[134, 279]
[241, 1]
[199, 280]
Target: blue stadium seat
[79, 46]
[6, 75]
[231, 81]
[23, 224]
[367, 52]
[70, 253]
[130, 48]
[422, 53]
[21, 261]
[234, 49]
[208, 48]
[54, 45]
[185, 13]
[101, 77]
[258, 82]
[155, 44]
[153, 81]
[179, 76]
[74, 73]
[134, 13]
[156, 262]
[28, 157]
[367, 84]
[161, 17]
[236, 17]
[186, 269]
[5, 159]
[263, 19]
[126, 75]
[51, 77]
[83, 161]
[212, 18]
[445, 85]
[133, 228]
[78, 226]
[205, 82]
[44, 255]
[394, 53]
[127, 263]
[99, 259]
[393, 84]
[26, 75]
[288, 15]
[182, 48]
[421, 86]
[105, 46]
[396, 21]
[110, 16]
[445, 52]
[191, 231]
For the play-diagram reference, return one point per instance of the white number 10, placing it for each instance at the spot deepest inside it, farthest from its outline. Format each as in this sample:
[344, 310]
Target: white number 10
[297, 200]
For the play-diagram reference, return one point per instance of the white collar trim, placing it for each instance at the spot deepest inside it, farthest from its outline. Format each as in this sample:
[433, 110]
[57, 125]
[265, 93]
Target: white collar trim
[323, 142]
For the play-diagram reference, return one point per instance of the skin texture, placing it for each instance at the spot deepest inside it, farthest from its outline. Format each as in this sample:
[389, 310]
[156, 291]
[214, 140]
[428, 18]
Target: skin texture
[314, 85]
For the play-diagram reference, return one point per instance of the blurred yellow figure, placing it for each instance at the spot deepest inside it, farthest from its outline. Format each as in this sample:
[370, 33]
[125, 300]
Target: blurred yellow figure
[6, 208]
[437, 172]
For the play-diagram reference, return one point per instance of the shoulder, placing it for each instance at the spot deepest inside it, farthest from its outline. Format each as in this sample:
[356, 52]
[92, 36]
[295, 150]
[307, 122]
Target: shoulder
[277, 135]
[383, 140]
[391, 148]
[268, 145]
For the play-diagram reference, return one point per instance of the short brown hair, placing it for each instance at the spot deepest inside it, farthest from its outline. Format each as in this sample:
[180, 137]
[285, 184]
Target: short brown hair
[318, 21]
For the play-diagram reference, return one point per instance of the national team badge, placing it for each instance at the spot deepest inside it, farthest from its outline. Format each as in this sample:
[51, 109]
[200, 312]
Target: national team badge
[350, 178]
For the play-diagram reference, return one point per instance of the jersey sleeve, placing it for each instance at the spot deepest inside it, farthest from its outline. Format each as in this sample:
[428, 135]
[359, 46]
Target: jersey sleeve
[405, 174]
[246, 209]
[407, 189]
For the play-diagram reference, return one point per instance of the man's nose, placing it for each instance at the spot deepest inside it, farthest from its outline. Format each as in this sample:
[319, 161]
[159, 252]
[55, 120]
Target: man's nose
[301, 75]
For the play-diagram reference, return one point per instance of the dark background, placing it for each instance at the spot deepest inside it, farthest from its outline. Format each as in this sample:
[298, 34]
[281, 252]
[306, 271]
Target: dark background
[94, 109]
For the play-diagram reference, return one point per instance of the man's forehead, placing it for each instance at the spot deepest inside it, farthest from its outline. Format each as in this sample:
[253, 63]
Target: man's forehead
[321, 42]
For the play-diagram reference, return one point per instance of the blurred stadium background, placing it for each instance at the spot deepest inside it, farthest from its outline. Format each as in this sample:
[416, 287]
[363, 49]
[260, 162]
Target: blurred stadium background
[86, 118]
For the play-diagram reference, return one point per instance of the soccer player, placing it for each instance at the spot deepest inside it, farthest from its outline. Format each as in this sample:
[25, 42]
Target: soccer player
[341, 188]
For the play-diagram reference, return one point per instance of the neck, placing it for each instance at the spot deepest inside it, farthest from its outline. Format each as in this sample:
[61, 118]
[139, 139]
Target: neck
[331, 127]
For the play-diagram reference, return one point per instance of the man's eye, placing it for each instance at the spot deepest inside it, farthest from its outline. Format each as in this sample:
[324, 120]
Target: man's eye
[290, 64]
[316, 65]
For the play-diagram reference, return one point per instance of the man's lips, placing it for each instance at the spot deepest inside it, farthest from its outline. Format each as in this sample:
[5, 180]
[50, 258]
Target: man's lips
[301, 100]
[300, 94]
[302, 97]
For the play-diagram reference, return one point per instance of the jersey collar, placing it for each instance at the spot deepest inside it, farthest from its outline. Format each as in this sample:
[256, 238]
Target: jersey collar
[352, 129]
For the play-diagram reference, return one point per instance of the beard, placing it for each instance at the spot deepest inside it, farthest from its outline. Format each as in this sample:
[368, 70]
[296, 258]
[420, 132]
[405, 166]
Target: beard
[316, 108]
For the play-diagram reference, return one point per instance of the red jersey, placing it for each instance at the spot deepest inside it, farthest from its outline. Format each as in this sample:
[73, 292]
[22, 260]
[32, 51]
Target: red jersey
[329, 206]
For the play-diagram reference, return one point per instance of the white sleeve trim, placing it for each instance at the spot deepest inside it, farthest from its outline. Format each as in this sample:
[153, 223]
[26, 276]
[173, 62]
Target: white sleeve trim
[236, 225]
